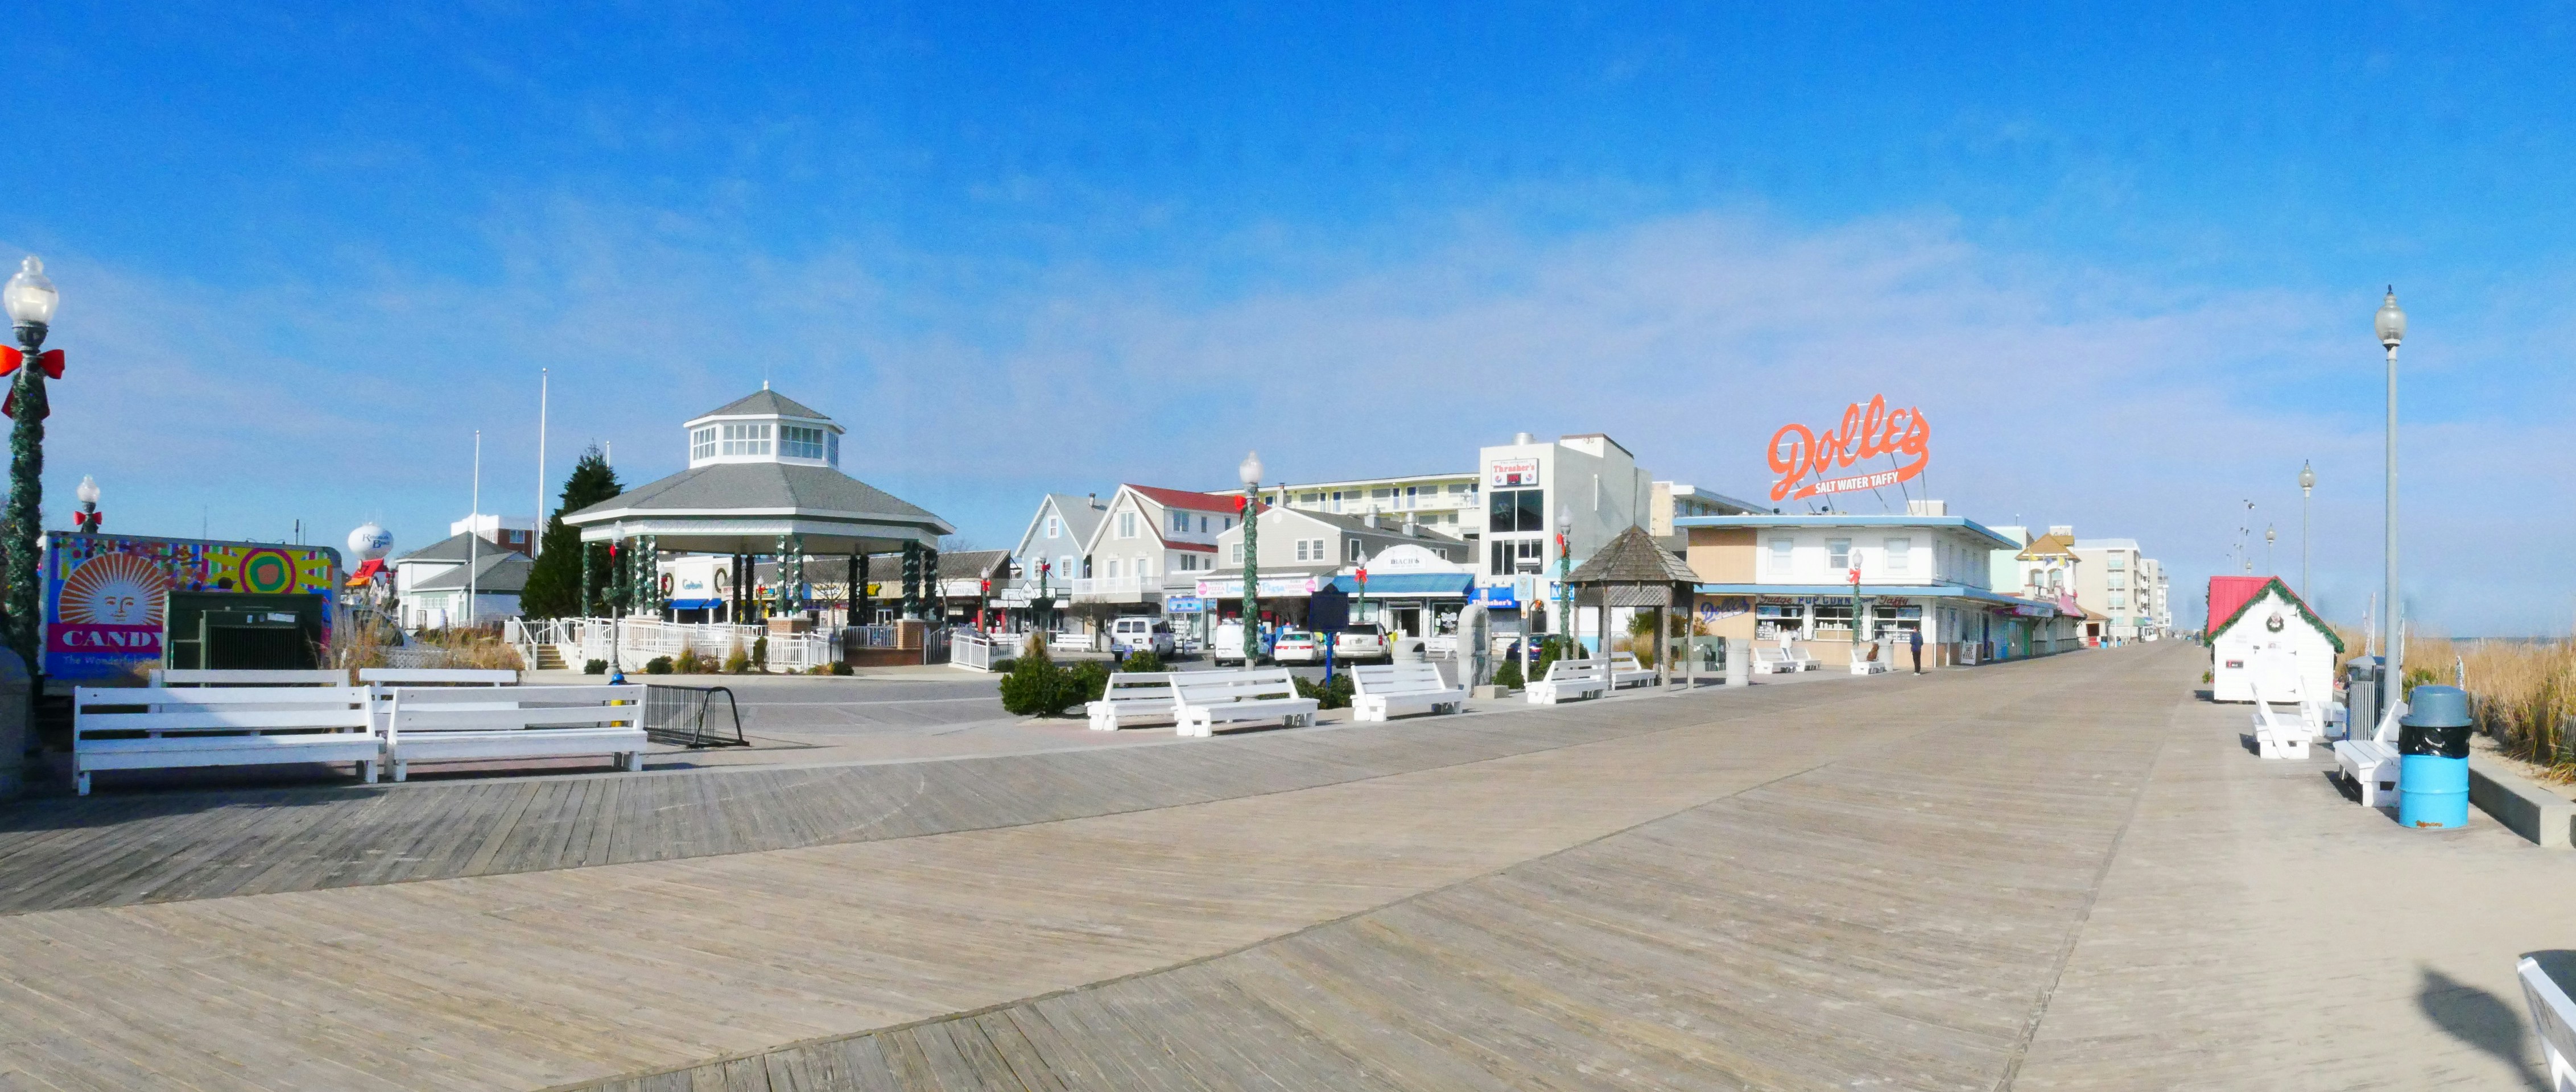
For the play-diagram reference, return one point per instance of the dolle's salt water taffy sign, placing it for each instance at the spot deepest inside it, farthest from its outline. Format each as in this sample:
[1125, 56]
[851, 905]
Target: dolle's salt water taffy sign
[1798, 452]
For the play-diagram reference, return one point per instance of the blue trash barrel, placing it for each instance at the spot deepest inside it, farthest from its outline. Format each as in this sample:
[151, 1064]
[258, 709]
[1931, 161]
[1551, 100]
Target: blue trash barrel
[2434, 791]
[2433, 762]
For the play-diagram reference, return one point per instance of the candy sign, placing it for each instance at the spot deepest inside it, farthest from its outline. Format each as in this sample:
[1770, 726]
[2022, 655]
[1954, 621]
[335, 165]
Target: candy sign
[1798, 452]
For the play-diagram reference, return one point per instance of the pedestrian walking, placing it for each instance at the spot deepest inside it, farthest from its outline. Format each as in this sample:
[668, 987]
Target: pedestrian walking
[1914, 641]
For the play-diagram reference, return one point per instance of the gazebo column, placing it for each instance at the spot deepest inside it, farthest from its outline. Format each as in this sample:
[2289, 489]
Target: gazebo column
[850, 592]
[912, 580]
[794, 567]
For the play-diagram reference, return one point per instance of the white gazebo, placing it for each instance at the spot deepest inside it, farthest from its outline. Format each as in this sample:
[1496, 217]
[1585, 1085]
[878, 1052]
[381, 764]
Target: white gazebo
[764, 480]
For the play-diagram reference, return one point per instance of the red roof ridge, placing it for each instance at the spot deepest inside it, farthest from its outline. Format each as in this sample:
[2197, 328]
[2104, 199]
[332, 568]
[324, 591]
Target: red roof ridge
[1183, 498]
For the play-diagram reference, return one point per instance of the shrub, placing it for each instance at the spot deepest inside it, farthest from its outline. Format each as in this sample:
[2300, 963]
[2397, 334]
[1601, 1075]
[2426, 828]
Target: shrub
[760, 654]
[1508, 674]
[1142, 663]
[1550, 651]
[840, 668]
[594, 667]
[1086, 681]
[1333, 693]
[658, 665]
[1034, 686]
[737, 663]
[690, 663]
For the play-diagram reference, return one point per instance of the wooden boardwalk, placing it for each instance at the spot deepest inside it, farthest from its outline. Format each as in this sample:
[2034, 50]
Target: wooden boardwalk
[1984, 879]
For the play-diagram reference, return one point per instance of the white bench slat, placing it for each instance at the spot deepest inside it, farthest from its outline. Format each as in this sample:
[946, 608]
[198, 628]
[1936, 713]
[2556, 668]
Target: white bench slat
[229, 676]
[2553, 1015]
[1379, 692]
[435, 676]
[1625, 670]
[2372, 764]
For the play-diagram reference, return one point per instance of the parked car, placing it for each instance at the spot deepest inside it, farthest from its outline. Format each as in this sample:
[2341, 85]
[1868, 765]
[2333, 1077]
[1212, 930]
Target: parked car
[1140, 634]
[1297, 646]
[1361, 643]
[1227, 646]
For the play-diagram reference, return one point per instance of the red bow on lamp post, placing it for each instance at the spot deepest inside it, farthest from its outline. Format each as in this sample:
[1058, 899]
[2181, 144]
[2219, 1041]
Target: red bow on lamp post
[50, 362]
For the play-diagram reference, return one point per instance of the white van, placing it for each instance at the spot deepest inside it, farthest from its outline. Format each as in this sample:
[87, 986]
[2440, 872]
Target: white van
[1139, 633]
[1227, 646]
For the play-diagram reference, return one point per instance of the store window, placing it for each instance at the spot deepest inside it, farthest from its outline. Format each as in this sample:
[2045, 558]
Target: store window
[1510, 510]
[1833, 618]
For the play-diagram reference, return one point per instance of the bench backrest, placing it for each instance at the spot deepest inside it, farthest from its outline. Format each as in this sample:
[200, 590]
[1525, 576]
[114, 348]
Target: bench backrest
[2388, 728]
[472, 709]
[1222, 687]
[1139, 688]
[1399, 679]
[162, 677]
[219, 709]
[438, 676]
[2553, 1013]
[1625, 661]
[1577, 670]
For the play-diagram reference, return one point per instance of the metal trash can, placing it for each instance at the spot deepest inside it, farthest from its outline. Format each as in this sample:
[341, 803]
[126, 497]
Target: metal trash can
[2433, 759]
[14, 702]
[2361, 696]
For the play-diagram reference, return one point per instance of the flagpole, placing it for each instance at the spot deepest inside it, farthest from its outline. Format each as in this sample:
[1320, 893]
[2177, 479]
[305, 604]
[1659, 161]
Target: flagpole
[473, 538]
[537, 537]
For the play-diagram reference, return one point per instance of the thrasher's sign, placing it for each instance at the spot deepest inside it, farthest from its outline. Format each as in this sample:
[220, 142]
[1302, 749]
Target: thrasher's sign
[1798, 453]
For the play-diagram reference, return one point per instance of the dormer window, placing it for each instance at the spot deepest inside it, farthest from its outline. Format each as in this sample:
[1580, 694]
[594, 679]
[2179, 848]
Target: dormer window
[702, 443]
[800, 442]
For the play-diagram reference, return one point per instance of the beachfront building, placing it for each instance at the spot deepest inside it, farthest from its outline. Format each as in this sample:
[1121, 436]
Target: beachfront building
[1443, 504]
[1590, 481]
[2111, 583]
[1788, 577]
[1418, 579]
[484, 556]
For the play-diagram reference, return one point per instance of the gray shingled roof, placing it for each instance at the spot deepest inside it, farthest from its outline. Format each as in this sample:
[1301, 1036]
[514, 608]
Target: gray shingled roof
[453, 548]
[497, 572]
[1080, 518]
[1632, 558]
[764, 400]
[718, 486]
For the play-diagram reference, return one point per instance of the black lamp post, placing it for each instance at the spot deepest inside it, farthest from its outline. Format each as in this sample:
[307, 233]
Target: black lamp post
[30, 298]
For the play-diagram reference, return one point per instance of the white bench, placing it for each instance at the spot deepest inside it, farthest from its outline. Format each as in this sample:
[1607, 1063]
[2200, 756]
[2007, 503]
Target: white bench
[2553, 1015]
[432, 723]
[1870, 666]
[1800, 658]
[2371, 764]
[1381, 692]
[1132, 698]
[1570, 679]
[1068, 642]
[220, 726]
[1773, 661]
[246, 677]
[1205, 699]
[2277, 736]
[1626, 671]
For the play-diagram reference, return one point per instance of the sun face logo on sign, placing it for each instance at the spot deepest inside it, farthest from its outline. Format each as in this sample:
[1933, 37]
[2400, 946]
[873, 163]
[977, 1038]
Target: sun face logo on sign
[1798, 452]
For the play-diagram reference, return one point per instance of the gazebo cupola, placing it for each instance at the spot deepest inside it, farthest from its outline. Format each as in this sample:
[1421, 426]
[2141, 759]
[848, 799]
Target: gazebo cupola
[765, 427]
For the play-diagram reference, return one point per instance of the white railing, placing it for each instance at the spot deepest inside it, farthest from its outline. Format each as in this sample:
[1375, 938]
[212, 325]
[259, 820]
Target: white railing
[971, 650]
[637, 640]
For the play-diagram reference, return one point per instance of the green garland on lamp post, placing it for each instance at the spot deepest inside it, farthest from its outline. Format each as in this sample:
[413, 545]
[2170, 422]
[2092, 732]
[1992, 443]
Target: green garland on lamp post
[1250, 473]
[30, 298]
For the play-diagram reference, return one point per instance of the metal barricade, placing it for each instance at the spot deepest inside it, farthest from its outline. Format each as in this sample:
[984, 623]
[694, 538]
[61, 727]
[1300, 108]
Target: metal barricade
[677, 715]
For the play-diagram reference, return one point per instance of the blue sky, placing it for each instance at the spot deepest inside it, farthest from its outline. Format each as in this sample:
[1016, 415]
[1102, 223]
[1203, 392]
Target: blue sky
[2125, 264]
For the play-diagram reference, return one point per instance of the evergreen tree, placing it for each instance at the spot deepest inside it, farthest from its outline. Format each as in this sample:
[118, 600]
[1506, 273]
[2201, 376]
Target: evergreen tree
[554, 584]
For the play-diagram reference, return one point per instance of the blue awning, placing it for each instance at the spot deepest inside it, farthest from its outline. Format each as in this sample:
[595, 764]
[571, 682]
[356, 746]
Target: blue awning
[695, 604]
[1410, 584]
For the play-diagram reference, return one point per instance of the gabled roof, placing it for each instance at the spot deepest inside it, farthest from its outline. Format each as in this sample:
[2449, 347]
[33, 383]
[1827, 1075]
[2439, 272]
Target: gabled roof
[2251, 589]
[2046, 546]
[1183, 498]
[1632, 558]
[496, 573]
[455, 550]
[764, 400]
[1080, 518]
